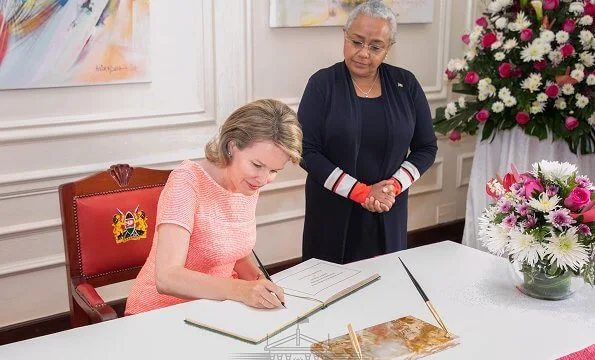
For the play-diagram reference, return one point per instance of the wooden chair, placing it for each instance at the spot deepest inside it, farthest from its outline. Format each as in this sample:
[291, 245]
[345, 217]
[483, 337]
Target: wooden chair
[108, 222]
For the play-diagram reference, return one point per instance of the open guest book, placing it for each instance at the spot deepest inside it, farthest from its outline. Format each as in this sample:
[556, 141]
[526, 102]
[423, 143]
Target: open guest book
[404, 338]
[309, 287]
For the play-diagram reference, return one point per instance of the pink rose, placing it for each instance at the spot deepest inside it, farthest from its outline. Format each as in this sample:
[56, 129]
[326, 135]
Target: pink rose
[522, 117]
[568, 25]
[471, 78]
[504, 70]
[526, 34]
[552, 91]
[450, 74]
[589, 9]
[482, 21]
[540, 65]
[454, 135]
[482, 115]
[516, 72]
[488, 39]
[465, 39]
[577, 198]
[571, 123]
[531, 184]
[550, 4]
[567, 50]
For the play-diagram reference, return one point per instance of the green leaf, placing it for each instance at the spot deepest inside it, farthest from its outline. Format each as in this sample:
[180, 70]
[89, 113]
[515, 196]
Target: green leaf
[463, 88]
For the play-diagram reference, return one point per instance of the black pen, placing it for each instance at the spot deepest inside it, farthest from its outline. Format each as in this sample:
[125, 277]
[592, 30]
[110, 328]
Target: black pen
[425, 297]
[265, 272]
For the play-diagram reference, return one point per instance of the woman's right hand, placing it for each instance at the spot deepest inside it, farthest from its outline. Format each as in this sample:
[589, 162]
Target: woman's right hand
[381, 197]
[262, 294]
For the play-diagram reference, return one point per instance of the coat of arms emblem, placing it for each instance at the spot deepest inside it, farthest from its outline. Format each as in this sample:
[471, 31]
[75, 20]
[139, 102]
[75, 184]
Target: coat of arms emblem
[130, 225]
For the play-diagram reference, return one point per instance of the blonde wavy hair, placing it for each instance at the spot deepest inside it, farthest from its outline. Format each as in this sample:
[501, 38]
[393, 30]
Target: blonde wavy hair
[261, 120]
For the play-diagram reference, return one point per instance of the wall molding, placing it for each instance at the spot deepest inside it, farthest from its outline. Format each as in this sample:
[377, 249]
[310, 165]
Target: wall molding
[422, 189]
[461, 181]
[38, 263]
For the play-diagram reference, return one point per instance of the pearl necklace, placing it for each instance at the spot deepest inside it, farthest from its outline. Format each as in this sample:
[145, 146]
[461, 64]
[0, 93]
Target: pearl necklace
[366, 93]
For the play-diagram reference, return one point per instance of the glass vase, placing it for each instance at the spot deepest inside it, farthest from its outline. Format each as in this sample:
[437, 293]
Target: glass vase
[534, 282]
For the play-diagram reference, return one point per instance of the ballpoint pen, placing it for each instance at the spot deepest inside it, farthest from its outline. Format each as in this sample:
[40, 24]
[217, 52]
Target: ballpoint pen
[265, 272]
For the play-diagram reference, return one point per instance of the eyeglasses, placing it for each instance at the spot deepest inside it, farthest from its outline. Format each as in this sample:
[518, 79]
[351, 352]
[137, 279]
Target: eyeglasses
[372, 48]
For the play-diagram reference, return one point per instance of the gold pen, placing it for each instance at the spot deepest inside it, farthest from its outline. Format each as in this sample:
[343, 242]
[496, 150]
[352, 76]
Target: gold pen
[354, 341]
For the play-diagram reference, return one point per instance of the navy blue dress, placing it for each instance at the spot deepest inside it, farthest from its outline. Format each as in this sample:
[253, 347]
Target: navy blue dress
[347, 138]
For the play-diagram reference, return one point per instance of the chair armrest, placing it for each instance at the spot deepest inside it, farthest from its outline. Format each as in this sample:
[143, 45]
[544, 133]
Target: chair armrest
[89, 300]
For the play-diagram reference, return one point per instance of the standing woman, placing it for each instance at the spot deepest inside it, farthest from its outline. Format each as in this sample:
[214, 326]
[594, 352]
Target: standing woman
[368, 136]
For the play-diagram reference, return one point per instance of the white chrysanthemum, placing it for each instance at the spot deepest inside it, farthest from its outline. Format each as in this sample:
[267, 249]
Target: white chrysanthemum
[591, 79]
[510, 44]
[591, 120]
[494, 7]
[494, 237]
[576, 8]
[499, 56]
[475, 35]
[532, 83]
[547, 35]
[541, 97]
[456, 65]
[504, 93]
[521, 21]
[578, 75]
[581, 101]
[585, 37]
[579, 66]
[497, 107]
[586, 20]
[451, 109]
[523, 247]
[544, 203]
[565, 250]
[562, 37]
[532, 52]
[496, 187]
[505, 3]
[509, 101]
[501, 23]
[461, 102]
[555, 57]
[470, 54]
[484, 83]
[560, 104]
[567, 89]
[587, 58]
[537, 107]
[513, 27]
[554, 170]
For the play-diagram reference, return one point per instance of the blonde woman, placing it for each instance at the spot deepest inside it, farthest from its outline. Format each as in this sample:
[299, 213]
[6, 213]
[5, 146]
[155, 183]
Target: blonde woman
[206, 225]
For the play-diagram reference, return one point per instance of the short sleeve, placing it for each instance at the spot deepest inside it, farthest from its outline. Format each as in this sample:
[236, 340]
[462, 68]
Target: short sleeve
[177, 203]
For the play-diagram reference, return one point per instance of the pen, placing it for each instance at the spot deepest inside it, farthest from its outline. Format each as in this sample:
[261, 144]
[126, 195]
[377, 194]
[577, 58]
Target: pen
[354, 341]
[265, 272]
[425, 297]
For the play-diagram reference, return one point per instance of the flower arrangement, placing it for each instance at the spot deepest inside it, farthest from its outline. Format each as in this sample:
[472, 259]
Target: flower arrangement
[527, 64]
[543, 219]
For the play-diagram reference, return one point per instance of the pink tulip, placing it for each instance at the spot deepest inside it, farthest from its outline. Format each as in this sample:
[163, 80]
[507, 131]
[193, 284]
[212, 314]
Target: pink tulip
[522, 117]
[569, 25]
[526, 34]
[571, 123]
[577, 198]
[482, 21]
[465, 39]
[471, 78]
[552, 91]
[550, 4]
[488, 39]
[567, 50]
[482, 115]
[454, 135]
[540, 65]
[531, 185]
[504, 70]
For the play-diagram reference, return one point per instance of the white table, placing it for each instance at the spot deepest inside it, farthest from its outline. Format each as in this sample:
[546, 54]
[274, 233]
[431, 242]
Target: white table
[469, 288]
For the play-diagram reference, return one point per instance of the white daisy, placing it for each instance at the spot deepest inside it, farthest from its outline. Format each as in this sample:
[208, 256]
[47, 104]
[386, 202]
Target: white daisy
[547, 35]
[576, 8]
[521, 21]
[456, 65]
[501, 23]
[581, 101]
[567, 89]
[562, 37]
[499, 56]
[504, 93]
[560, 103]
[497, 107]
[494, 237]
[537, 107]
[510, 44]
[587, 58]
[523, 247]
[532, 52]
[566, 251]
[585, 37]
[532, 83]
[591, 79]
[554, 170]
[509, 101]
[578, 75]
[586, 20]
[541, 97]
[555, 57]
[544, 203]
[579, 66]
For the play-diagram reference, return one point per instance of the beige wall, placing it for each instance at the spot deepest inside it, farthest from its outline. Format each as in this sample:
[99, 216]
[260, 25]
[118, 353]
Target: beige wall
[208, 57]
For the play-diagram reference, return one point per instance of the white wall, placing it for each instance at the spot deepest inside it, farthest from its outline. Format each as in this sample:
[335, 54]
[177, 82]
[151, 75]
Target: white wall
[208, 57]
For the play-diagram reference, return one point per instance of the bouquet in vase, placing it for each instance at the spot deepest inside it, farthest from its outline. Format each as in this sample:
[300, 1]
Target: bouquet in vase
[544, 221]
[528, 64]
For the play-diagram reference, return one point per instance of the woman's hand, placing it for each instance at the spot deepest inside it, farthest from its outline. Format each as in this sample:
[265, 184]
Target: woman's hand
[261, 294]
[381, 197]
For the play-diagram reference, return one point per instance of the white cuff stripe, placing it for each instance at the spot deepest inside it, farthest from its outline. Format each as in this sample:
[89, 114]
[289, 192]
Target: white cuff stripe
[403, 178]
[332, 178]
[412, 169]
[345, 186]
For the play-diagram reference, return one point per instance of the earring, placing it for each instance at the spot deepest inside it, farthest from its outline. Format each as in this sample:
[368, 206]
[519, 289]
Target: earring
[229, 153]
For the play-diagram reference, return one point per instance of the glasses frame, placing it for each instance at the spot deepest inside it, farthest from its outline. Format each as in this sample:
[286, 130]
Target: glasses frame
[360, 45]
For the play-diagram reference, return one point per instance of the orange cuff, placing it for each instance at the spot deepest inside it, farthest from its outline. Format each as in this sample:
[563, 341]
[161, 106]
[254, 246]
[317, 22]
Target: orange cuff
[360, 192]
[397, 185]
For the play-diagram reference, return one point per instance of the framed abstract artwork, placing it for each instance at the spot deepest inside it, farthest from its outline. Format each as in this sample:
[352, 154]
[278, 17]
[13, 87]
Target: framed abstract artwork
[304, 13]
[54, 43]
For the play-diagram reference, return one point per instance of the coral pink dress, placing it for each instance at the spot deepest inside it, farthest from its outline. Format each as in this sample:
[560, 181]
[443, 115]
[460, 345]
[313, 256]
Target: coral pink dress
[222, 228]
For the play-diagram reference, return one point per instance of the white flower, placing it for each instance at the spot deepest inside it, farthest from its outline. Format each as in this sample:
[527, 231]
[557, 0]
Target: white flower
[493, 237]
[532, 83]
[591, 79]
[497, 107]
[532, 52]
[576, 7]
[509, 101]
[456, 65]
[586, 20]
[567, 89]
[591, 120]
[471, 54]
[566, 251]
[554, 170]
[510, 44]
[494, 7]
[585, 36]
[499, 56]
[579, 75]
[521, 21]
[461, 102]
[547, 35]
[496, 45]
[562, 37]
[544, 203]
[501, 23]
[581, 101]
[504, 93]
[537, 107]
[587, 58]
[451, 108]
[555, 57]
[523, 247]
[560, 104]
[541, 97]
[579, 66]
[513, 27]
[504, 3]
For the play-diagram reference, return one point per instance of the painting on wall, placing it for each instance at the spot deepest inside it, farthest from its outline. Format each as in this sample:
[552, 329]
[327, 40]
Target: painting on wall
[53, 43]
[298, 13]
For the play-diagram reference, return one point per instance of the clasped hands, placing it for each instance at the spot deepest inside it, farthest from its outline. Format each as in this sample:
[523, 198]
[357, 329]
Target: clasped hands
[381, 197]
